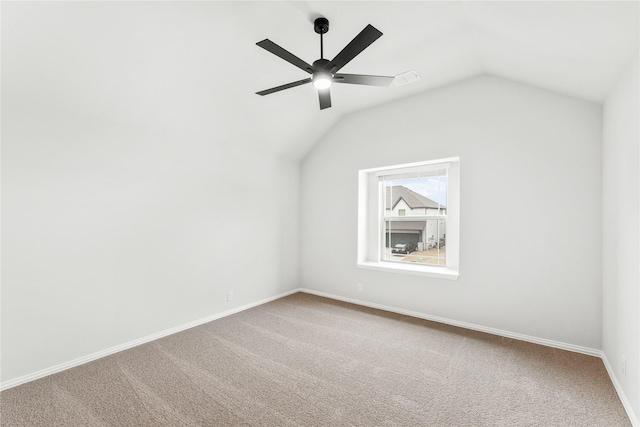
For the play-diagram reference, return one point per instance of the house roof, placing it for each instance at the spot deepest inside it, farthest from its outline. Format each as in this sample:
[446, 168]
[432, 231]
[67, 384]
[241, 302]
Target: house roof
[411, 198]
[192, 68]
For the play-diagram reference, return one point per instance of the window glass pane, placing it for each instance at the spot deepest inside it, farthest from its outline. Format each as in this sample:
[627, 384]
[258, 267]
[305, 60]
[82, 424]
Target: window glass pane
[421, 196]
[436, 241]
[422, 242]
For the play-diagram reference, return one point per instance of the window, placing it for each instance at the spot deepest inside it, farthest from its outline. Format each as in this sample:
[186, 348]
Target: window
[419, 236]
[408, 218]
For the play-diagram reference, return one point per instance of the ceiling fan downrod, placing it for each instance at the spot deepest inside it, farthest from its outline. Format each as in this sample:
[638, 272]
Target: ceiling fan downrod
[321, 26]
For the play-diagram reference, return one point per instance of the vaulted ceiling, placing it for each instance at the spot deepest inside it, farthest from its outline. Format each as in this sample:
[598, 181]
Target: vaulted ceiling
[192, 68]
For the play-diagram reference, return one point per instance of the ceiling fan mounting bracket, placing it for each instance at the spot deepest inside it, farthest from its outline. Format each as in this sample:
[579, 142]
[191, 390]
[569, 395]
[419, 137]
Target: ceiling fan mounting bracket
[321, 25]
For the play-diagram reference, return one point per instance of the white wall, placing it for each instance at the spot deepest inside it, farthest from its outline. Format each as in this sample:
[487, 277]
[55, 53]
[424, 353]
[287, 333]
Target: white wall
[110, 234]
[621, 232]
[522, 151]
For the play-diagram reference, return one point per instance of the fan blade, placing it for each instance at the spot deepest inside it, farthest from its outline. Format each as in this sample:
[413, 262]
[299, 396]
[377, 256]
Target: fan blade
[285, 54]
[355, 46]
[283, 87]
[360, 79]
[325, 98]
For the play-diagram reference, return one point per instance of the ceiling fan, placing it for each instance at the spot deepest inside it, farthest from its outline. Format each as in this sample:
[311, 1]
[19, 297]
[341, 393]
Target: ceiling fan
[324, 72]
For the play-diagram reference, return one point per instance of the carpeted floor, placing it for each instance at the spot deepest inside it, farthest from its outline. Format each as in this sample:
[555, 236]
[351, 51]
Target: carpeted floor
[309, 361]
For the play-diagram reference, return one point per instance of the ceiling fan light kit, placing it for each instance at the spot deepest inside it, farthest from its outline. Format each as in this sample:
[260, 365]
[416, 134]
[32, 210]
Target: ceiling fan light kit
[324, 72]
[321, 80]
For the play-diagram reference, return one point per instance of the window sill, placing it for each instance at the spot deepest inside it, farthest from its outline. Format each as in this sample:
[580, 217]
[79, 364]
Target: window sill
[416, 270]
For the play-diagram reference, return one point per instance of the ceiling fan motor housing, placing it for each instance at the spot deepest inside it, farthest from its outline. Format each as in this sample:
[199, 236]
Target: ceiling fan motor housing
[320, 63]
[319, 72]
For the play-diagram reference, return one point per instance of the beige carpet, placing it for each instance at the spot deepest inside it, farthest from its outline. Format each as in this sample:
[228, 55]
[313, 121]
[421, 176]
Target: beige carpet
[309, 361]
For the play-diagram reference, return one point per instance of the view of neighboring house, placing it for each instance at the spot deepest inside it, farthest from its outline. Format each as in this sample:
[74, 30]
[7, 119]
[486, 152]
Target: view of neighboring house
[425, 233]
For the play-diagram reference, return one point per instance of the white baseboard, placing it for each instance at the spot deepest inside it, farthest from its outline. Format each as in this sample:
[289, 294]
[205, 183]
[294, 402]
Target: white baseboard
[542, 341]
[97, 355]
[623, 397]
[493, 331]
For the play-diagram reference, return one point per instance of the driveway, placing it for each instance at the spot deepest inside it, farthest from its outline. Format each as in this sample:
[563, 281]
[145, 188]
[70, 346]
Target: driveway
[433, 256]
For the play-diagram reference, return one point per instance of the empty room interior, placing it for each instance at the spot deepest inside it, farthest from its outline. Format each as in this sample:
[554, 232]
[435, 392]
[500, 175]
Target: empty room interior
[320, 213]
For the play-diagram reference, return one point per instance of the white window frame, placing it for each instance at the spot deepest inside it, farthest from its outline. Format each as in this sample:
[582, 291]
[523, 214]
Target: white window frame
[371, 215]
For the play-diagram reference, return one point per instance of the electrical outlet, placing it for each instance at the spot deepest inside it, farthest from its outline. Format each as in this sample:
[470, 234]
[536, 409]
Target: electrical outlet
[359, 287]
[229, 295]
[623, 365]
